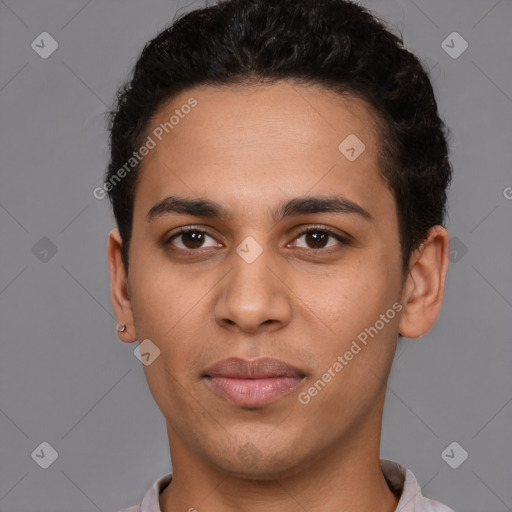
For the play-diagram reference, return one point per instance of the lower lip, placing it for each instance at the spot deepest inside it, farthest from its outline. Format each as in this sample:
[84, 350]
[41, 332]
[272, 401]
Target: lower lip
[253, 392]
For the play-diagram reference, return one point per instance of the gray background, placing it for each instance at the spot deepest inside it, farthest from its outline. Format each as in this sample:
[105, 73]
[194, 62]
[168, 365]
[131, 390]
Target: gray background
[67, 380]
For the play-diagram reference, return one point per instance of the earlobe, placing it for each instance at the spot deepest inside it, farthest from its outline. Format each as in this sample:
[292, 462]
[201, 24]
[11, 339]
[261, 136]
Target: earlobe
[424, 288]
[119, 288]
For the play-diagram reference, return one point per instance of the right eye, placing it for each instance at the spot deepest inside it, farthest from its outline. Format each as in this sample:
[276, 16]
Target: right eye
[191, 239]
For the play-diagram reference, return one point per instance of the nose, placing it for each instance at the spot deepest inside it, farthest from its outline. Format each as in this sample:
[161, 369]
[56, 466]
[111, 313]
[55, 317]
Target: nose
[254, 297]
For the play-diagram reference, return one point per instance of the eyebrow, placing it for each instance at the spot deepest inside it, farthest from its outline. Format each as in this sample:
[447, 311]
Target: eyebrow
[294, 207]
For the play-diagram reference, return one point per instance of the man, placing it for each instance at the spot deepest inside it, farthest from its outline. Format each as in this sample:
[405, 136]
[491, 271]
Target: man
[278, 176]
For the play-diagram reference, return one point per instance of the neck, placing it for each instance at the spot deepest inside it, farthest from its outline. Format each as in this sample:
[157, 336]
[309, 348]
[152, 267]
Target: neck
[343, 477]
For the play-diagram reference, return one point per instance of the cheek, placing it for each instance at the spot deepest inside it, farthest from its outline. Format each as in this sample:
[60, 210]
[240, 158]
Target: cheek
[172, 390]
[351, 299]
[344, 295]
[160, 297]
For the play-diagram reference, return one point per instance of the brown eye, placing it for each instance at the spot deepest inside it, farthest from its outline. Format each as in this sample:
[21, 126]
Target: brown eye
[191, 239]
[317, 238]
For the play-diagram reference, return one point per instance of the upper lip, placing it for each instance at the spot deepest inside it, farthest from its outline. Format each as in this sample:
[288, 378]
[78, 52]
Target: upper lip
[261, 368]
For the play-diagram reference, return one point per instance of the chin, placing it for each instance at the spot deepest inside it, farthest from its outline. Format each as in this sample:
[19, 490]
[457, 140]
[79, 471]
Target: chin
[259, 461]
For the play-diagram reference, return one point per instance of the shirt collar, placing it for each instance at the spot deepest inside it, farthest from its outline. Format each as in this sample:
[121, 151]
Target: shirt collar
[400, 480]
[404, 484]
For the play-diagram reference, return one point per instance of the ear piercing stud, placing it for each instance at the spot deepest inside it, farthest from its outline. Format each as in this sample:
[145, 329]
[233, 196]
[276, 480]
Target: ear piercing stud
[121, 328]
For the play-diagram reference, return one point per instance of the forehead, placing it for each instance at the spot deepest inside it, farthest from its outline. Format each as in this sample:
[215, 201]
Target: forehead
[253, 141]
[281, 113]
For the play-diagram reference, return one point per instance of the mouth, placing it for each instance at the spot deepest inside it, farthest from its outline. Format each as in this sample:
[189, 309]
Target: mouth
[252, 383]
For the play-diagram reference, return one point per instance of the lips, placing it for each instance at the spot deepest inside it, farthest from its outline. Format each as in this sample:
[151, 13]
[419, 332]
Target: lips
[252, 383]
[265, 367]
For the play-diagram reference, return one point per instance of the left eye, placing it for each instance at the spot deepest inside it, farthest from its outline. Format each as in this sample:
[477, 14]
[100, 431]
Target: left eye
[319, 237]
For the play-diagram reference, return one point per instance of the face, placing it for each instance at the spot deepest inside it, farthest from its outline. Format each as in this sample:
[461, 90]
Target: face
[253, 278]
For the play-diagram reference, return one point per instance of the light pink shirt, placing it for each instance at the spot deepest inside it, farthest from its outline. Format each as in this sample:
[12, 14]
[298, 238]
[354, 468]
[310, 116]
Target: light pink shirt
[402, 480]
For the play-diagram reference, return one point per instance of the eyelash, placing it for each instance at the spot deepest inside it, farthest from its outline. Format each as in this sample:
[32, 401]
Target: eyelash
[312, 229]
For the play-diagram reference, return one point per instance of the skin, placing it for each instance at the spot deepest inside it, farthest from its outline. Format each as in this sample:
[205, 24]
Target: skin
[251, 149]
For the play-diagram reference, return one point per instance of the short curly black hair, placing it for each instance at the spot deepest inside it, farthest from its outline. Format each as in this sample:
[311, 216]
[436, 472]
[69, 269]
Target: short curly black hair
[332, 43]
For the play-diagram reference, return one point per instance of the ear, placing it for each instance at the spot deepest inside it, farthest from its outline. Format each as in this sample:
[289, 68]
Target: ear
[119, 287]
[423, 293]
